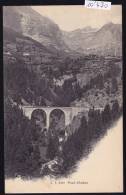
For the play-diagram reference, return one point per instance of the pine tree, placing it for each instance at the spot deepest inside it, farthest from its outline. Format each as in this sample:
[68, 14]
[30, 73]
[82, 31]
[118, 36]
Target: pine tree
[106, 115]
[115, 110]
[114, 85]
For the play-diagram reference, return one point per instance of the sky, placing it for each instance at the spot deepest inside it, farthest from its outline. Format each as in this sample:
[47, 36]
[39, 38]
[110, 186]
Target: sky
[77, 16]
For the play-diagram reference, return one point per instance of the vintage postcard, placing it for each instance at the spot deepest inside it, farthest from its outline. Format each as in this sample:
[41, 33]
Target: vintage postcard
[62, 99]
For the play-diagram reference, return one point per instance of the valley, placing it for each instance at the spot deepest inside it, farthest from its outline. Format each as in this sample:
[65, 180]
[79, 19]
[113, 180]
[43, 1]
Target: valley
[62, 91]
[49, 67]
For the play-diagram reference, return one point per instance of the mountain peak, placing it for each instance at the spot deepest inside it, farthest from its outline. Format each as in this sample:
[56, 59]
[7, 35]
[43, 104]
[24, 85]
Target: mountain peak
[103, 41]
[27, 21]
[111, 25]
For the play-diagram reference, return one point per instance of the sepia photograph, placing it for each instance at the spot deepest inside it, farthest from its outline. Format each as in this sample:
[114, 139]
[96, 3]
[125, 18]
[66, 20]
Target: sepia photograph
[63, 102]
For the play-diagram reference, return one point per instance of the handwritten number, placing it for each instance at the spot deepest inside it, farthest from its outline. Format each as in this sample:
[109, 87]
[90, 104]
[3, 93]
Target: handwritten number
[102, 4]
[97, 4]
[105, 5]
[90, 5]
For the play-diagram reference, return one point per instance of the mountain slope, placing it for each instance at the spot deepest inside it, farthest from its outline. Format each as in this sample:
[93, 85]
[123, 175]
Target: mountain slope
[25, 63]
[76, 39]
[105, 41]
[25, 20]
[18, 46]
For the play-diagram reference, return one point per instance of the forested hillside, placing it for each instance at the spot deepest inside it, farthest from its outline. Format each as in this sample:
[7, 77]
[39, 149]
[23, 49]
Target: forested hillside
[45, 66]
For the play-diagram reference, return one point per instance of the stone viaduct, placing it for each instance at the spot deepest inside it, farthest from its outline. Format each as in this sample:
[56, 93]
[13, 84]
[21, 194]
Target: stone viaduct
[69, 112]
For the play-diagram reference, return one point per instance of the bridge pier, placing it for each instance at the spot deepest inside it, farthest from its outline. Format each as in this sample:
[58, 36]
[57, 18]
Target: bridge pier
[69, 112]
[68, 118]
[47, 119]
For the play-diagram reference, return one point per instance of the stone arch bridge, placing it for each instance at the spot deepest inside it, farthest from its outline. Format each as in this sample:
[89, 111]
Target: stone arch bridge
[69, 112]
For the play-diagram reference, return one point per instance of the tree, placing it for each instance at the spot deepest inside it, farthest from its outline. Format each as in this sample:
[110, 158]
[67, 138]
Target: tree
[100, 81]
[18, 144]
[108, 90]
[106, 115]
[98, 130]
[78, 90]
[114, 85]
[83, 132]
[115, 110]
[91, 123]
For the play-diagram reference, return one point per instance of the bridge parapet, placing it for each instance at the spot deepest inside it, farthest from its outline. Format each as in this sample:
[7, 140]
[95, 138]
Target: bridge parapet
[69, 112]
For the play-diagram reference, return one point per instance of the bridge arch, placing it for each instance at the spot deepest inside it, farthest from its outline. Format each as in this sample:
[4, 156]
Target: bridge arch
[57, 119]
[69, 112]
[39, 115]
